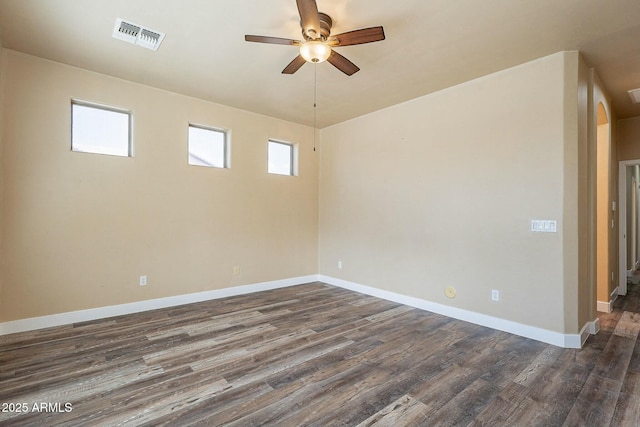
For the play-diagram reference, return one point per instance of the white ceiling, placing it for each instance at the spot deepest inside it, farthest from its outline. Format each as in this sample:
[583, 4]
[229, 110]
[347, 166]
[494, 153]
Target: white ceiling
[430, 45]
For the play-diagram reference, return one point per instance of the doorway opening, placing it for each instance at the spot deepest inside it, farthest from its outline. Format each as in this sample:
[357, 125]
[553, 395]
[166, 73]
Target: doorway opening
[605, 294]
[629, 221]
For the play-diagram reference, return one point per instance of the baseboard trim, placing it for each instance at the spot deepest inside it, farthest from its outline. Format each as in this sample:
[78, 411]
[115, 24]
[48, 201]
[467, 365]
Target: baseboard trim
[550, 337]
[590, 328]
[527, 331]
[604, 307]
[607, 307]
[60, 319]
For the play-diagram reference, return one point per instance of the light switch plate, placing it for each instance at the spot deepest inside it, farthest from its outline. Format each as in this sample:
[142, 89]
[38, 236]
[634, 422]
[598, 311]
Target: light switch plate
[544, 226]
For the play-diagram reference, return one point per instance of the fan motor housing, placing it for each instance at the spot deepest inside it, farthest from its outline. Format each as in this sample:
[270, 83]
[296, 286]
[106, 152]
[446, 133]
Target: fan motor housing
[325, 27]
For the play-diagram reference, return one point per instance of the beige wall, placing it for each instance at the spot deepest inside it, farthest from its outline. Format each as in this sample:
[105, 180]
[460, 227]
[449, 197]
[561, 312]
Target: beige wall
[79, 229]
[614, 237]
[629, 139]
[585, 298]
[435, 192]
[578, 304]
[440, 191]
[2, 74]
[603, 212]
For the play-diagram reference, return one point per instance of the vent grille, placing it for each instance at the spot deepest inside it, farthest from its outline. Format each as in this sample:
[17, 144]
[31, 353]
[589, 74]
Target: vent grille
[137, 34]
[635, 95]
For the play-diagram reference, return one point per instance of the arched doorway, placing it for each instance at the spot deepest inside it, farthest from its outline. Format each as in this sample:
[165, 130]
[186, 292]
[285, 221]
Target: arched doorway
[604, 212]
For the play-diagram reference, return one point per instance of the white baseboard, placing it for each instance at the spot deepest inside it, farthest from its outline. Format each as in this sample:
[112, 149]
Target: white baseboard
[550, 337]
[33, 323]
[607, 307]
[590, 328]
[539, 334]
[604, 307]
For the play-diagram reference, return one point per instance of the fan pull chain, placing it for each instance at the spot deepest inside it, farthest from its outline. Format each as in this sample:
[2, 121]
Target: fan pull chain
[315, 105]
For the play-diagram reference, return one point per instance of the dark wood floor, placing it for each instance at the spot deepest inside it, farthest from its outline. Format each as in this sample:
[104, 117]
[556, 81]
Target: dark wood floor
[316, 355]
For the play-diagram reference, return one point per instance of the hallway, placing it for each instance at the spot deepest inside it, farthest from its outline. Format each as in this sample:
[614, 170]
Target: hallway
[616, 375]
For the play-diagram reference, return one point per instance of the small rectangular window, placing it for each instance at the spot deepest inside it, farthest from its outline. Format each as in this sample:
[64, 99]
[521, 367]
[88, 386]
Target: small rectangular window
[208, 147]
[280, 158]
[100, 130]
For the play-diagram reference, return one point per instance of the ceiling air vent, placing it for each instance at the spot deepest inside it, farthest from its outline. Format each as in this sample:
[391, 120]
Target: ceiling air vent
[137, 34]
[635, 95]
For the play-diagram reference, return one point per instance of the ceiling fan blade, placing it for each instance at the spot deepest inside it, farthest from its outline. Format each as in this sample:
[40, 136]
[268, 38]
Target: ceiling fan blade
[342, 63]
[272, 40]
[365, 35]
[309, 18]
[294, 65]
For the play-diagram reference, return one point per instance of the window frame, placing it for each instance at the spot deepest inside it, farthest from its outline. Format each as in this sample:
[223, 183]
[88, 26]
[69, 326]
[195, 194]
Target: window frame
[226, 142]
[293, 157]
[107, 108]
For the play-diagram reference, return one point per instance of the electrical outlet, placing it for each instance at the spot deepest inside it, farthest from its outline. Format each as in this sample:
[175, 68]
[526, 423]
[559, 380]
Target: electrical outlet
[340, 265]
[236, 270]
[495, 295]
[143, 280]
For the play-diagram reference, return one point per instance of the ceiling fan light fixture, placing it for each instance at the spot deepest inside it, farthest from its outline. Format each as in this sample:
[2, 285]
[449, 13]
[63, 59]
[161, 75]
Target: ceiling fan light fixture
[318, 42]
[315, 51]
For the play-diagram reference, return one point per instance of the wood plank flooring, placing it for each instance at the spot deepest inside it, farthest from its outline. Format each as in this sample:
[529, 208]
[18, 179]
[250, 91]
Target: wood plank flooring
[316, 355]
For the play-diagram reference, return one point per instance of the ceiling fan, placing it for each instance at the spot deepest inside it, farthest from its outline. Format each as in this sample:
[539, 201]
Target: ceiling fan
[318, 42]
